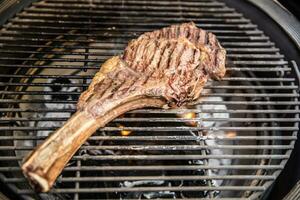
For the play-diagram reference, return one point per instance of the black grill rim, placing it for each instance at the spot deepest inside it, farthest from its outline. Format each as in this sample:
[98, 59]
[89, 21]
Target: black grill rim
[233, 6]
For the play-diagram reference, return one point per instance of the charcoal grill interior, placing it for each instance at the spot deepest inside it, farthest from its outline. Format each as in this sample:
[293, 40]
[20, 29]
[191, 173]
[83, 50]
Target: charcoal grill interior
[232, 145]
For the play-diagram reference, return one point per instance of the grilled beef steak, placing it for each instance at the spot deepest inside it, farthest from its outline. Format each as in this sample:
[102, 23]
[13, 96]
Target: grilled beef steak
[164, 68]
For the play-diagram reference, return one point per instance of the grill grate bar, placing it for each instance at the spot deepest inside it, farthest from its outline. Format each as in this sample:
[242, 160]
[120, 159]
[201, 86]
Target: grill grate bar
[118, 2]
[162, 157]
[90, 77]
[101, 60]
[159, 129]
[254, 56]
[29, 29]
[254, 69]
[259, 103]
[152, 189]
[260, 50]
[120, 46]
[41, 39]
[160, 167]
[105, 57]
[283, 87]
[150, 24]
[161, 138]
[130, 7]
[171, 111]
[164, 147]
[241, 62]
[42, 15]
[161, 119]
[101, 54]
[133, 178]
[78, 58]
[134, 13]
[243, 44]
[252, 95]
[105, 46]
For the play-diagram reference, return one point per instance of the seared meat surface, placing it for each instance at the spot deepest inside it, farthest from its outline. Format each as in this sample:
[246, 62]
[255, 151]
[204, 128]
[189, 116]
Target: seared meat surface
[163, 68]
[206, 41]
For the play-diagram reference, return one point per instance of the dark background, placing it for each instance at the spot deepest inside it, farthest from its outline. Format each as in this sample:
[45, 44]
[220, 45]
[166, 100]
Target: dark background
[293, 6]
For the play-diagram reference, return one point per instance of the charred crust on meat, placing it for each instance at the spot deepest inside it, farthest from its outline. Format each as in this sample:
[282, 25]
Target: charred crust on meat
[174, 63]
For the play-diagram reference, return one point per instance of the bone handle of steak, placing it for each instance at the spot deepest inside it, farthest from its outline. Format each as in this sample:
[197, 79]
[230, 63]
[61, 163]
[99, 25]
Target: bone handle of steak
[47, 161]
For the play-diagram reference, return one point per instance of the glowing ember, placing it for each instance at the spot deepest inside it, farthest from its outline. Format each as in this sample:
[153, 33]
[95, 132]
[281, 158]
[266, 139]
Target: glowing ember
[190, 115]
[124, 132]
[231, 134]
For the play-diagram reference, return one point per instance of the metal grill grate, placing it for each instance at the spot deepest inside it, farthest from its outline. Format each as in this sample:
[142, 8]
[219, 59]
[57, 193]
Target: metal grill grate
[230, 146]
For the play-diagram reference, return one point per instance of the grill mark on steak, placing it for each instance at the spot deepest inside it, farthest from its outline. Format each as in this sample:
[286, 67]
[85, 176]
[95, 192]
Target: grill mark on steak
[216, 42]
[181, 32]
[153, 56]
[184, 75]
[168, 55]
[154, 66]
[163, 61]
[192, 35]
[138, 55]
[211, 39]
[159, 65]
[206, 38]
[176, 69]
[197, 38]
[195, 58]
[177, 54]
[188, 33]
[201, 38]
[146, 56]
[216, 56]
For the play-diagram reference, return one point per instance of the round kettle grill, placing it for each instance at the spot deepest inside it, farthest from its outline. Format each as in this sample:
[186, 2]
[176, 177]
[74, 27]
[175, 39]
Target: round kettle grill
[232, 145]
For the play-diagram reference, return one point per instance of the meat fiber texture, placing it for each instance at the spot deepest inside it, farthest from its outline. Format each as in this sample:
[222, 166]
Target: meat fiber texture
[172, 64]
